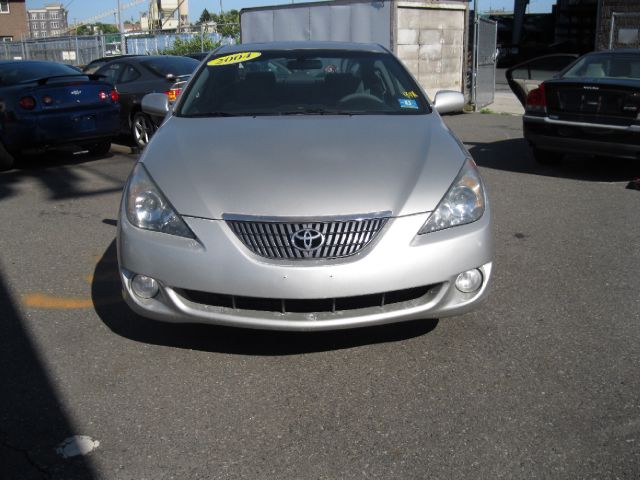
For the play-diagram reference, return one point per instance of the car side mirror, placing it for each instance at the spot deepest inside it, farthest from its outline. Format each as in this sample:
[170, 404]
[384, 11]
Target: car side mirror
[447, 101]
[156, 104]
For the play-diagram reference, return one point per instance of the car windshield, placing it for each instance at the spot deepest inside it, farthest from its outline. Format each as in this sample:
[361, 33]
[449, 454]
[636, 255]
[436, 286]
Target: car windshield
[302, 82]
[171, 65]
[13, 73]
[614, 65]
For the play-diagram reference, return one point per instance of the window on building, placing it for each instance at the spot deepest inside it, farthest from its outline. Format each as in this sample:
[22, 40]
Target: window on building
[4, 7]
[35, 34]
[33, 16]
[6, 39]
[43, 34]
[55, 25]
[43, 25]
[42, 15]
[54, 14]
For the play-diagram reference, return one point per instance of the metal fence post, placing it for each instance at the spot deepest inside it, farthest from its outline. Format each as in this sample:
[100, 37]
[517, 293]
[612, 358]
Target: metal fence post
[612, 28]
[474, 55]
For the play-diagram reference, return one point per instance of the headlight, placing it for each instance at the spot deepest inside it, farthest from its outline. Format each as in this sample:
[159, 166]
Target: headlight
[147, 208]
[463, 203]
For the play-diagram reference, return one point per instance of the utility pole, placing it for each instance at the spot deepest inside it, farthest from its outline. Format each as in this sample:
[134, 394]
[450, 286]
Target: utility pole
[123, 44]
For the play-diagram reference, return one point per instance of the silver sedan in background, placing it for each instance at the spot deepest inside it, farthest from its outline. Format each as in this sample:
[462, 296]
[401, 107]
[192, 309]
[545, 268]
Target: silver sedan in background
[304, 186]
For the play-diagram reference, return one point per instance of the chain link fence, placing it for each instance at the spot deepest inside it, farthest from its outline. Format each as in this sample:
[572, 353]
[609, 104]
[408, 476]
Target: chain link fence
[625, 30]
[154, 44]
[71, 50]
[81, 50]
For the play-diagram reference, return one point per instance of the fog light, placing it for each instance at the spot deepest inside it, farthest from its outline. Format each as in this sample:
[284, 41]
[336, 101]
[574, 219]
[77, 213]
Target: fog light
[469, 281]
[144, 287]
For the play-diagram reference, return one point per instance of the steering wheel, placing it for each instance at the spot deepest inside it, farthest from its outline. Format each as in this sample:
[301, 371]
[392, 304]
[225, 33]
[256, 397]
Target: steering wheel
[361, 97]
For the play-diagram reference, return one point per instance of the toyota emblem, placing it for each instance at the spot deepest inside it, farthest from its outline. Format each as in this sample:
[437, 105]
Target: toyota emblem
[307, 239]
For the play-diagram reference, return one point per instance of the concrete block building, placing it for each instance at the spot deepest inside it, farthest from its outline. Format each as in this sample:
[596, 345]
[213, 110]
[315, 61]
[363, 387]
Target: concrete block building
[431, 41]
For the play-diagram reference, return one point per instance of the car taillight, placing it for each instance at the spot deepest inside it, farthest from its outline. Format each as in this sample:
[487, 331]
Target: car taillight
[114, 95]
[102, 95]
[28, 103]
[536, 100]
[173, 94]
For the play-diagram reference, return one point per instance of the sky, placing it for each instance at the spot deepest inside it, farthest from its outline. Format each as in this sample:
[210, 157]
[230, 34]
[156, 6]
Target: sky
[81, 9]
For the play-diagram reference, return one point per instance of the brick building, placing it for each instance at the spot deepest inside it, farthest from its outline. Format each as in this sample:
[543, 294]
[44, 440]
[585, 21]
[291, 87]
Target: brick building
[13, 20]
[49, 21]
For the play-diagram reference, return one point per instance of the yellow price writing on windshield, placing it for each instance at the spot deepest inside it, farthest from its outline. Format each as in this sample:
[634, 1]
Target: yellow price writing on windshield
[234, 58]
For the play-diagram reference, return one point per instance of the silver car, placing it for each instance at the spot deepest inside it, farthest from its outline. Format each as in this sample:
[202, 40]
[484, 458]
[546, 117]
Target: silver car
[304, 186]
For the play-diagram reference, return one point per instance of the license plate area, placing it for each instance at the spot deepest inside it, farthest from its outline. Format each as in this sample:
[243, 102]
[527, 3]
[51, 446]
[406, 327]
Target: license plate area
[84, 123]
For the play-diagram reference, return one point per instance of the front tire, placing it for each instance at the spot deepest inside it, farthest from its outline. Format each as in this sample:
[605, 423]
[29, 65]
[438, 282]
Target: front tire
[142, 129]
[547, 157]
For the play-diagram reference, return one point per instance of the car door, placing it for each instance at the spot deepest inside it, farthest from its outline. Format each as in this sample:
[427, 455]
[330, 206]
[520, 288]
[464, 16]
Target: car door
[527, 76]
[129, 89]
[112, 72]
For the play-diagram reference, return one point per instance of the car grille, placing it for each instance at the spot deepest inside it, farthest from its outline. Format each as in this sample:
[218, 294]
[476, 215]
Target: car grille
[280, 305]
[339, 238]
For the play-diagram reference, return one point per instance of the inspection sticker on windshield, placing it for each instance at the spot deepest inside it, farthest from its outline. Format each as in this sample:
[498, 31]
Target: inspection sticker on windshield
[235, 58]
[407, 103]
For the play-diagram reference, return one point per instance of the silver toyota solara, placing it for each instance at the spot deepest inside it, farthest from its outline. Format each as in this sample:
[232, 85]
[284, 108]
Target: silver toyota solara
[304, 186]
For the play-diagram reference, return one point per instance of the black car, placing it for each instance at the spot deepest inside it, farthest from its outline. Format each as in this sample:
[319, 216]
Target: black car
[48, 104]
[590, 107]
[133, 78]
[198, 55]
[94, 65]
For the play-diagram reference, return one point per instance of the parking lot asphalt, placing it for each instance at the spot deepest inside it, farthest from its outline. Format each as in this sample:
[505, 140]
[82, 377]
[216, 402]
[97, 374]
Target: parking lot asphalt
[541, 382]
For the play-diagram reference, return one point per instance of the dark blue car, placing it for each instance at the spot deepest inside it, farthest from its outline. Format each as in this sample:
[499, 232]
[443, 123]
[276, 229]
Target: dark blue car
[46, 104]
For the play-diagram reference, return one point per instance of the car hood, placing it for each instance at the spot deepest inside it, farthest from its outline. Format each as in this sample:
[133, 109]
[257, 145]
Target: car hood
[304, 166]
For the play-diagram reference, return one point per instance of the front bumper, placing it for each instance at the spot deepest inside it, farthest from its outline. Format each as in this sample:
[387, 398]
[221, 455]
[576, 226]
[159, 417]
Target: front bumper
[396, 260]
[582, 138]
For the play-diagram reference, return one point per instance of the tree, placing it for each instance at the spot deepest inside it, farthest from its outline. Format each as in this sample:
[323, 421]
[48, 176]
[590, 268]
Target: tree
[228, 23]
[192, 45]
[96, 28]
[205, 17]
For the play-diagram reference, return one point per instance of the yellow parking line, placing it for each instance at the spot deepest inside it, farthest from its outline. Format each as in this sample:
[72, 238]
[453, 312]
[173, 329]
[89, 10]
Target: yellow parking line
[40, 300]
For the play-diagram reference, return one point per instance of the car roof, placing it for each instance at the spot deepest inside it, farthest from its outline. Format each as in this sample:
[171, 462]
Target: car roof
[29, 62]
[634, 51]
[111, 57]
[303, 45]
[139, 58]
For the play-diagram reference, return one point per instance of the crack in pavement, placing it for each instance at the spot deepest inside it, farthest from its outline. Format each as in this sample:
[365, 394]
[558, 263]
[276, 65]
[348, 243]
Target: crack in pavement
[25, 453]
